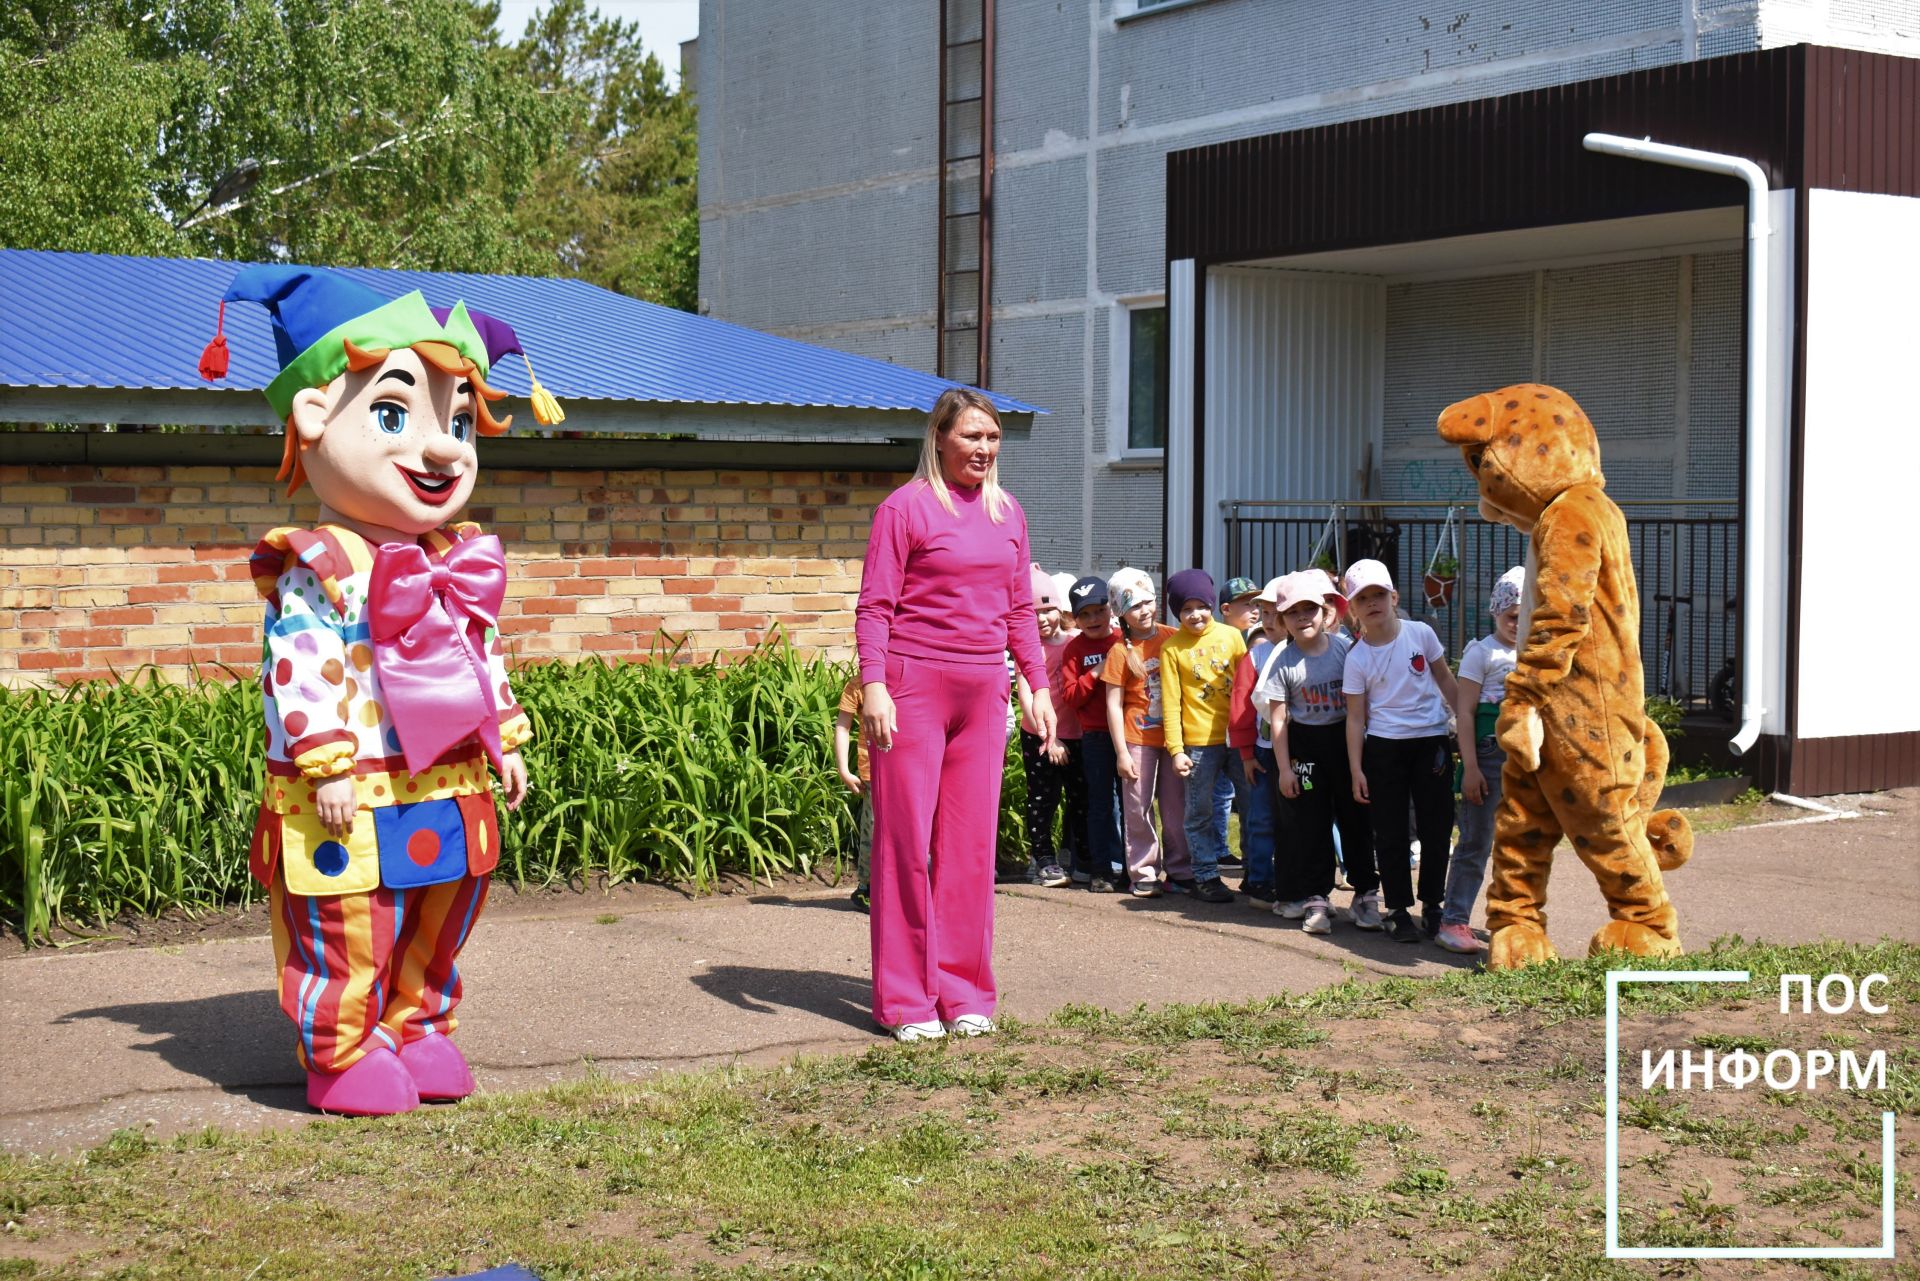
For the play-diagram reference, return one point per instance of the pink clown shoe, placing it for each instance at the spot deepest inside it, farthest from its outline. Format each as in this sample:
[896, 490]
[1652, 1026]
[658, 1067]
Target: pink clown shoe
[438, 1068]
[375, 1086]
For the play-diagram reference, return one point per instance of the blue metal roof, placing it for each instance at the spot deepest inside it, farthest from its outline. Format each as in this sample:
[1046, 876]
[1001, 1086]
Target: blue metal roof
[99, 320]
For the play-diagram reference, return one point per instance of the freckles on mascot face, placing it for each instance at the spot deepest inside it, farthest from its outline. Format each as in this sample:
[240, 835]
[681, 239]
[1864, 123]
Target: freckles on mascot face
[391, 445]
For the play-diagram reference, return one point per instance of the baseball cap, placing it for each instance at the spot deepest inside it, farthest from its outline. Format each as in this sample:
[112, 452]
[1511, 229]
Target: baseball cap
[1045, 594]
[1363, 574]
[1308, 584]
[1237, 589]
[1189, 584]
[1091, 590]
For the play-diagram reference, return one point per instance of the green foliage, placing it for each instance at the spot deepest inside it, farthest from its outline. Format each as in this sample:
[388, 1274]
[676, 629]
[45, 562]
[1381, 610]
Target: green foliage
[1665, 713]
[618, 200]
[141, 796]
[383, 133]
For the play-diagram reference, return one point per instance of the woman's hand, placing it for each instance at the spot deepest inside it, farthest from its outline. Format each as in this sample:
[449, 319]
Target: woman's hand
[1044, 719]
[336, 802]
[877, 719]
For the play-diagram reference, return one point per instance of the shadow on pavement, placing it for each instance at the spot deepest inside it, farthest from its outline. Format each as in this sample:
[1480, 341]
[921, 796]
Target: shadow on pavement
[240, 1041]
[843, 998]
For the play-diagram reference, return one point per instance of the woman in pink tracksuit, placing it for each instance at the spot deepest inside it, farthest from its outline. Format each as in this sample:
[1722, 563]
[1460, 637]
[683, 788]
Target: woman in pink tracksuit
[944, 597]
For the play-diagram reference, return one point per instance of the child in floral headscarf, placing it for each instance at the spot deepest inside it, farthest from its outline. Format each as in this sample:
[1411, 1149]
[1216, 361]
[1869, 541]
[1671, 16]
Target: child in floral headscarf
[1482, 684]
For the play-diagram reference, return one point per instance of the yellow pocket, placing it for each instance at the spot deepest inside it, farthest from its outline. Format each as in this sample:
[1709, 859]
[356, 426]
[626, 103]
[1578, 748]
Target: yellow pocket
[317, 862]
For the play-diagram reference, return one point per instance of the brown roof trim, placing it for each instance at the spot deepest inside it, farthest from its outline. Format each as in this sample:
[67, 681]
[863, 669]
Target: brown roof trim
[1807, 115]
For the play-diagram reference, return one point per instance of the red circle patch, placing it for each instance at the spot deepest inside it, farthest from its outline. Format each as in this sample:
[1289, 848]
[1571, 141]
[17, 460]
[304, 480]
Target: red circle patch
[296, 724]
[423, 847]
[283, 672]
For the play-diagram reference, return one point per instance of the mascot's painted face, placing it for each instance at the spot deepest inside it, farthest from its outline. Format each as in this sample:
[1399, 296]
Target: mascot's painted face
[391, 445]
[1526, 445]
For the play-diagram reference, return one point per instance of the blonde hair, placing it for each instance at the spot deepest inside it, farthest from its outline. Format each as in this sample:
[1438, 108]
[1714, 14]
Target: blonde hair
[954, 402]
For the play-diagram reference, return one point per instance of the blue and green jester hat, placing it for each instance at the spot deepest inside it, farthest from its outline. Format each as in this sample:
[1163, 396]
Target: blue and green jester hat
[316, 313]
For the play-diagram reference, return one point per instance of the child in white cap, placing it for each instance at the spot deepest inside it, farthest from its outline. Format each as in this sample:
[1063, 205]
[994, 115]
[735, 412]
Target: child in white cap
[1483, 683]
[1052, 776]
[1302, 695]
[1399, 694]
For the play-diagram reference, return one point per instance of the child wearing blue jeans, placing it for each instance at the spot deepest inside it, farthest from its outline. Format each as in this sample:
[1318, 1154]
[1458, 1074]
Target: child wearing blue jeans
[1197, 664]
[1484, 668]
[1398, 693]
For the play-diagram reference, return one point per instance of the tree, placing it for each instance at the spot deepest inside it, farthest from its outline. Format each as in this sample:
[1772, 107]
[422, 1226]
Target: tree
[618, 200]
[386, 133]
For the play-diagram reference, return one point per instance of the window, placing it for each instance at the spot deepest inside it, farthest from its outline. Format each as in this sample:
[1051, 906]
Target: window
[1146, 379]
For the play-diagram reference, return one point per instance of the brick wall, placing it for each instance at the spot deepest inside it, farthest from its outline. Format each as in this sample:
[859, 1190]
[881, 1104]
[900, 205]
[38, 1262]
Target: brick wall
[107, 568]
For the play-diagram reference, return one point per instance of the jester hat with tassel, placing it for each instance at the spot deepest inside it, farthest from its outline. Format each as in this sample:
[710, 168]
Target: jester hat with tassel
[316, 312]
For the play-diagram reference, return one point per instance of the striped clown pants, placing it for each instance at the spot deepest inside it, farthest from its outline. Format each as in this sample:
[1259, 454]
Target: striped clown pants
[362, 971]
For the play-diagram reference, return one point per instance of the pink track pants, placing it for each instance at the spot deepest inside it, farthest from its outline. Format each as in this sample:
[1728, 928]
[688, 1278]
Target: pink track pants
[937, 791]
[1150, 857]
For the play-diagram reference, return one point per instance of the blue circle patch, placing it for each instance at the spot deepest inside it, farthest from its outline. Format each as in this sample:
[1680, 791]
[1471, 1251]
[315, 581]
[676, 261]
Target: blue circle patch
[330, 859]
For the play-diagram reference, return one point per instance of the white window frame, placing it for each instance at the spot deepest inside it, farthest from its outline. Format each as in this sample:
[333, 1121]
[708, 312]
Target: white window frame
[1120, 381]
[1128, 10]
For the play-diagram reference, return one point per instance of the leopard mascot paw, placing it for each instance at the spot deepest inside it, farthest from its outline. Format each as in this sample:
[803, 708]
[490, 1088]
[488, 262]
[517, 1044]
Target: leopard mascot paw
[1584, 762]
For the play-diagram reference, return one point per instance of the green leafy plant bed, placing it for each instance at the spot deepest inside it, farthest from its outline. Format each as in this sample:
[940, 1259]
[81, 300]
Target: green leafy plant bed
[1702, 791]
[137, 797]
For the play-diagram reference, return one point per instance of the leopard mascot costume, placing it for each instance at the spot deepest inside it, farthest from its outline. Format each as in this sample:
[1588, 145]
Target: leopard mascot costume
[1583, 760]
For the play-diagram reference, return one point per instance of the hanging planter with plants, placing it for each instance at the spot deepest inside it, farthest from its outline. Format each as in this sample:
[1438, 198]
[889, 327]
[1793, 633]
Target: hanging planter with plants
[1443, 567]
[1323, 556]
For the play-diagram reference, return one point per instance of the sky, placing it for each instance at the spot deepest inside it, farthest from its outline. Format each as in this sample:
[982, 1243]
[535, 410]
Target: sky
[663, 24]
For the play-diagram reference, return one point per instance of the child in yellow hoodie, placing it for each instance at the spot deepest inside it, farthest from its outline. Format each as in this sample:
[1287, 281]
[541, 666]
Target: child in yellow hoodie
[1196, 677]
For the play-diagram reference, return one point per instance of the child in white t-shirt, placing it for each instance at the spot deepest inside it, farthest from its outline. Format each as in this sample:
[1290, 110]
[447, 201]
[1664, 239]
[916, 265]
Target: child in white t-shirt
[1482, 684]
[1398, 692]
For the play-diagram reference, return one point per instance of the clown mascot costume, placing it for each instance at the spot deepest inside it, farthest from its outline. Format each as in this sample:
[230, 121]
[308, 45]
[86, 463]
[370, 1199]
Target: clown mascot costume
[386, 694]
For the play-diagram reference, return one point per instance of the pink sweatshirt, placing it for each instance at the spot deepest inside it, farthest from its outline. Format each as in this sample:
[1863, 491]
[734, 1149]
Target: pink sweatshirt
[957, 588]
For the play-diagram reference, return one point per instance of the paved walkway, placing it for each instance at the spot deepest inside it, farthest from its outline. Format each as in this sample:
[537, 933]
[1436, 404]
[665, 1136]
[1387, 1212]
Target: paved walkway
[190, 1036]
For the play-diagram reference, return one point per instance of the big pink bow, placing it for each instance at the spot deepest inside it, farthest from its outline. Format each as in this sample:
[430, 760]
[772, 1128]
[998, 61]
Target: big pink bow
[429, 621]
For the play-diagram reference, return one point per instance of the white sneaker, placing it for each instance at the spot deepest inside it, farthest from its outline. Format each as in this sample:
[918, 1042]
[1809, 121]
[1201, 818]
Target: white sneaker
[1293, 910]
[1051, 877]
[1366, 911]
[928, 1031]
[972, 1025]
[1319, 917]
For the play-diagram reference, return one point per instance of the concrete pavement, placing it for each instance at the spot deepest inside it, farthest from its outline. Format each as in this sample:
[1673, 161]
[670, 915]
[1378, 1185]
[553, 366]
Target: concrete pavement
[188, 1036]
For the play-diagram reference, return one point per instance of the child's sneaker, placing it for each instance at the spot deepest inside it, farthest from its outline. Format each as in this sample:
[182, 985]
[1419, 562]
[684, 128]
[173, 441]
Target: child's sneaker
[1400, 926]
[1458, 938]
[1146, 889]
[1259, 891]
[1100, 885]
[1213, 890]
[1051, 877]
[1292, 909]
[1178, 887]
[1319, 917]
[1081, 877]
[1366, 910]
[1429, 921]
[863, 899]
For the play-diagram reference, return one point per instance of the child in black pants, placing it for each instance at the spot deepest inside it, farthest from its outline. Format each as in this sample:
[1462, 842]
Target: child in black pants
[1398, 690]
[1302, 697]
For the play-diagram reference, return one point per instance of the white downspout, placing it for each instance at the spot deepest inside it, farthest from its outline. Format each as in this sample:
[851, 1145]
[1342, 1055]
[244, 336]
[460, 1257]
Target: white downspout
[1752, 611]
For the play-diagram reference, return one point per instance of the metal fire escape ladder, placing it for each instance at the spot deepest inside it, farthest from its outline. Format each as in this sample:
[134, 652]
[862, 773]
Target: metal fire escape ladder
[962, 306]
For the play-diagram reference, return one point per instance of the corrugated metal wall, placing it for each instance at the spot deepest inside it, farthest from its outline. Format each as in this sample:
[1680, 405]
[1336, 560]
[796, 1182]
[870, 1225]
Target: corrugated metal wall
[1293, 368]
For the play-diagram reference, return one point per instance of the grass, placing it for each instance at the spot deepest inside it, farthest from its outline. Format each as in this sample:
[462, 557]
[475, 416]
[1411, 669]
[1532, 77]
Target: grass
[139, 797]
[1144, 1143]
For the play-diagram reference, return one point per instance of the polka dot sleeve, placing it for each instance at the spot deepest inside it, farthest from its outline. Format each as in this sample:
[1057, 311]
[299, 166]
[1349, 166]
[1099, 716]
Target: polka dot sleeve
[515, 728]
[306, 676]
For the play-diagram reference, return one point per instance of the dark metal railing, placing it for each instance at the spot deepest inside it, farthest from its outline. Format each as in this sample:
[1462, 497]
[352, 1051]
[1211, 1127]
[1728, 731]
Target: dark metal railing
[1686, 559]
